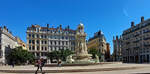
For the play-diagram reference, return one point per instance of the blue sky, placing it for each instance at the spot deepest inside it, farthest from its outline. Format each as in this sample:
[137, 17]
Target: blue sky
[110, 16]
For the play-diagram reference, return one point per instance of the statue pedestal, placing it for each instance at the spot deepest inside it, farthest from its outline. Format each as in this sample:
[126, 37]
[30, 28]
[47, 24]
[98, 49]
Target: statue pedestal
[82, 58]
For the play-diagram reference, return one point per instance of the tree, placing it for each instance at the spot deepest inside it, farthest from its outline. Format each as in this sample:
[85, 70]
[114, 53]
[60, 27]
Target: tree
[53, 55]
[65, 53]
[19, 56]
[61, 54]
[94, 52]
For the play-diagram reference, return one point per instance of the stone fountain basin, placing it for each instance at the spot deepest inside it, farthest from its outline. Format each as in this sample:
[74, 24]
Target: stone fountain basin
[82, 56]
[81, 64]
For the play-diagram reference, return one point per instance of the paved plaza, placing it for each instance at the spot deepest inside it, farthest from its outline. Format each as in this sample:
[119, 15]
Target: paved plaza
[92, 69]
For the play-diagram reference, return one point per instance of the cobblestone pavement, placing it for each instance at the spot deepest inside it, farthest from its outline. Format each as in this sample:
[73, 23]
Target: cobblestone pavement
[144, 68]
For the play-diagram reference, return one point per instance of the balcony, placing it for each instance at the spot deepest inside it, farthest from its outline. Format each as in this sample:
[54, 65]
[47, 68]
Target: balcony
[127, 43]
[137, 47]
[136, 41]
[147, 38]
[146, 31]
[147, 45]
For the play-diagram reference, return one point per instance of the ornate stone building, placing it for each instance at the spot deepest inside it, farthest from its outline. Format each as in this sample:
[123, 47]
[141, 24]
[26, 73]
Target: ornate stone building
[7, 42]
[21, 43]
[41, 40]
[117, 43]
[98, 42]
[136, 42]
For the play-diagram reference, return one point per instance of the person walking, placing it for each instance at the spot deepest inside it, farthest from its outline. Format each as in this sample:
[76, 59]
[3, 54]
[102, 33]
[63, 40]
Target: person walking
[59, 62]
[43, 62]
[39, 65]
[13, 64]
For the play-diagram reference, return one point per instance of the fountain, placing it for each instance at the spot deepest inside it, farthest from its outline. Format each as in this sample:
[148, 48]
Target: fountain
[81, 54]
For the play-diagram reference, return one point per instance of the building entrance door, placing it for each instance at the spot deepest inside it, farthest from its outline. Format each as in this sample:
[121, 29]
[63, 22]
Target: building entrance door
[147, 58]
[136, 58]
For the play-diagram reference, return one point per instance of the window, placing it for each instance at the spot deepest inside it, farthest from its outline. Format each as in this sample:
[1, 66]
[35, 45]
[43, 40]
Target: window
[62, 37]
[37, 36]
[55, 49]
[38, 48]
[45, 42]
[42, 54]
[45, 36]
[32, 35]
[55, 42]
[33, 42]
[29, 35]
[45, 48]
[33, 48]
[29, 47]
[42, 48]
[41, 36]
[42, 42]
[66, 37]
[37, 54]
[51, 43]
[72, 43]
[37, 41]
[29, 41]
[59, 42]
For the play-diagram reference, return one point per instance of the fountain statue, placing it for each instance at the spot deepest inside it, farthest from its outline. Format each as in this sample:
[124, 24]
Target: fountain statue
[69, 59]
[81, 53]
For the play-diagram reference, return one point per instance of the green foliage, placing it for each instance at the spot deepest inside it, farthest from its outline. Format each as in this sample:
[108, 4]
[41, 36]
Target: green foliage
[65, 53]
[61, 54]
[94, 52]
[19, 56]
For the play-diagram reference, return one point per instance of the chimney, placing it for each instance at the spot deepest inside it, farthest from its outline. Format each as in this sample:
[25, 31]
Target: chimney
[10, 32]
[60, 26]
[120, 36]
[116, 37]
[68, 27]
[113, 38]
[47, 25]
[32, 25]
[142, 19]
[4, 27]
[132, 24]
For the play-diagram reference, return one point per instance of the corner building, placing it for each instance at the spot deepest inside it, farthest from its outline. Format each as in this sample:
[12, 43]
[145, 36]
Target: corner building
[136, 42]
[98, 42]
[41, 40]
[117, 44]
[7, 42]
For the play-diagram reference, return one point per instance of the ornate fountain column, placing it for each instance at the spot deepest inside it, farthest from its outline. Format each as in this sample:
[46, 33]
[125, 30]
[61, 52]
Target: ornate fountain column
[81, 53]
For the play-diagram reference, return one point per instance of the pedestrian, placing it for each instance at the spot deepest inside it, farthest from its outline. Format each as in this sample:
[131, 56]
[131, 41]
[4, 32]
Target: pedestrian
[43, 62]
[13, 64]
[39, 65]
[59, 62]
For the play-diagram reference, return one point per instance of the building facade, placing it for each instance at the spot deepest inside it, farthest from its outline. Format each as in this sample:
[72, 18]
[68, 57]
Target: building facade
[107, 54]
[136, 42]
[21, 43]
[98, 42]
[7, 42]
[117, 43]
[41, 40]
